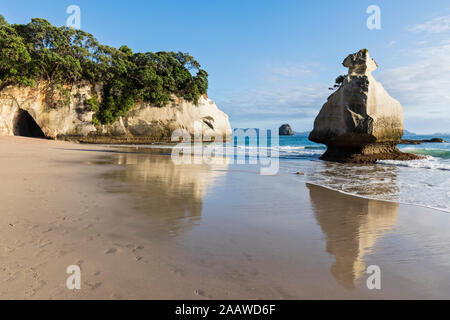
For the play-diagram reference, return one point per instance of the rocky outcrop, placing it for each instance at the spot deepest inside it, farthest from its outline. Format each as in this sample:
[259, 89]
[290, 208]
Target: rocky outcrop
[432, 140]
[286, 130]
[64, 114]
[360, 122]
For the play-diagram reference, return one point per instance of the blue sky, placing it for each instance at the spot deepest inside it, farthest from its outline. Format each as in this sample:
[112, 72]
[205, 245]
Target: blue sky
[271, 62]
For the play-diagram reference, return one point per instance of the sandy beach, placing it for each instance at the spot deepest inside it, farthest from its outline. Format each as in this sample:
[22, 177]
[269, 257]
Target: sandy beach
[141, 227]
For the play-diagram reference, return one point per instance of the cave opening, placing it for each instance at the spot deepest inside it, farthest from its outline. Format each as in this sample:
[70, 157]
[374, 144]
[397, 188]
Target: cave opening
[25, 126]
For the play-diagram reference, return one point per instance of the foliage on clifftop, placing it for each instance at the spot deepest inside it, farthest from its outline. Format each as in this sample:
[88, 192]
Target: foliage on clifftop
[39, 51]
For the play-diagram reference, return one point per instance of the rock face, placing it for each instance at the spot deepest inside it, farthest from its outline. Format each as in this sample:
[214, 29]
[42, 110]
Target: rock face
[286, 130]
[360, 122]
[44, 111]
[432, 140]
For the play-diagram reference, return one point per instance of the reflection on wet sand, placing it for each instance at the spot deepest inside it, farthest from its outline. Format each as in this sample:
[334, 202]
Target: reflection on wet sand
[376, 181]
[169, 193]
[351, 228]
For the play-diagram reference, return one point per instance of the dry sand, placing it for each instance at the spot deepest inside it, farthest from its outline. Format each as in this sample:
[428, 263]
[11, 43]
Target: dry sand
[141, 227]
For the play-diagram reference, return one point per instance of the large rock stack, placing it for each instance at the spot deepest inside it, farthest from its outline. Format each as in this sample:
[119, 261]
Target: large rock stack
[360, 122]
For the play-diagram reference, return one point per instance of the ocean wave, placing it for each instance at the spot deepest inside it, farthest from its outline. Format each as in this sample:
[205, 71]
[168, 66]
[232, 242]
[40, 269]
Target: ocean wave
[429, 162]
[288, 152]
[316, 147]
[386, 197]
[397, 183]
[439, 153]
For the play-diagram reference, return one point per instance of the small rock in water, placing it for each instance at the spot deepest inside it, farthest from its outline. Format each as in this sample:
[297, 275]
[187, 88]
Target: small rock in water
[286, 130]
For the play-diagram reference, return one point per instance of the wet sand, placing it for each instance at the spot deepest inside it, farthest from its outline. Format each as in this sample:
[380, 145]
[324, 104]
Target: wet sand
[141, 227]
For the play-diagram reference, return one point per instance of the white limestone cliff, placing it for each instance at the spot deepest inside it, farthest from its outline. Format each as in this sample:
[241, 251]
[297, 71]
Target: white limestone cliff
[69, 117]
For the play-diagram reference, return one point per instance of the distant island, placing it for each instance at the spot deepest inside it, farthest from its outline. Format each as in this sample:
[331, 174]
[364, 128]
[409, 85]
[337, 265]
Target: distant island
[432, 140]
[409, 133]
[285, 130]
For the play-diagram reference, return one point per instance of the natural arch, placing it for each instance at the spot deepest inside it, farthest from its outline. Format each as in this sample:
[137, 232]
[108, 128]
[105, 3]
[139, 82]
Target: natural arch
[24, 125]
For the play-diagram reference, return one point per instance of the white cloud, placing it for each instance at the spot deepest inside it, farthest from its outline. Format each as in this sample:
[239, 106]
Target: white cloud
[283, 92]
[436, 25]
[390, 44]
[275, 71]
[293, 92]
[423, 87]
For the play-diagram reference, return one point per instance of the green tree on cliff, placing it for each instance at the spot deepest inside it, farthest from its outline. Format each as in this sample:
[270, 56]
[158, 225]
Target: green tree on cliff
[14, 57]
[39, 51]
[3, 21]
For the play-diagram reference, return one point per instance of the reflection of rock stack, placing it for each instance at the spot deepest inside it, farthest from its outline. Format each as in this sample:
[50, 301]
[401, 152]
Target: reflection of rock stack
[352, 226]
[165, 191]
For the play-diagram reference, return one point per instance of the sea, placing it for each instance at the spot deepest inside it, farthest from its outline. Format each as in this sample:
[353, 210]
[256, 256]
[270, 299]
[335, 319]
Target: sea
[424, 182]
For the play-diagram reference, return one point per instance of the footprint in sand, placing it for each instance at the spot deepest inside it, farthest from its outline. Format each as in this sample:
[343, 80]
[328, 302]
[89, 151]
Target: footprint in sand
[111, 251]
[199, 292]
[135, 249]
[249, 257]
[94, 286]
[31, 291]
[9, 249]
[178, 272]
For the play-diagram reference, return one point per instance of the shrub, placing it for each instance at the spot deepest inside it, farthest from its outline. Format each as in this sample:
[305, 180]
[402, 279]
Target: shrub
[39, 51]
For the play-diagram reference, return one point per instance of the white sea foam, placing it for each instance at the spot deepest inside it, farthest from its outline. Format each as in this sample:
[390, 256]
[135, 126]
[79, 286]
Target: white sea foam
[231, 150]
[428, 163]
[424, 182]
[410, 185]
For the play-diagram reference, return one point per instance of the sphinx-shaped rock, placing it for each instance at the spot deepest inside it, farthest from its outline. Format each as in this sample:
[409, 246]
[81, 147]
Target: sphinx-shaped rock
[360, 122]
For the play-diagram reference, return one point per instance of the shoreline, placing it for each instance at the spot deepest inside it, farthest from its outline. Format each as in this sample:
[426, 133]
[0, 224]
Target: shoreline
[142, 228]
[163, 146]
[384, 200]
